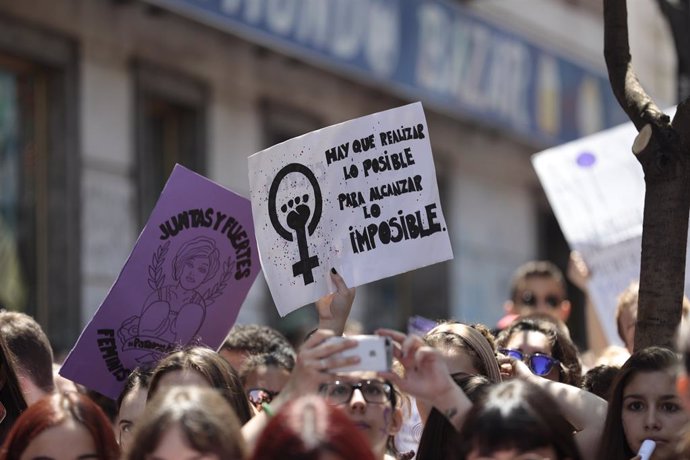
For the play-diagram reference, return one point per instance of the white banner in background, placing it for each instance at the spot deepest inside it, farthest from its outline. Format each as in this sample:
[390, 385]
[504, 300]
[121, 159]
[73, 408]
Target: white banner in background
[596, 189]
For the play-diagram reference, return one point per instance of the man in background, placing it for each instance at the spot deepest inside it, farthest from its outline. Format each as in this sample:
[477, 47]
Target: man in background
[538, 286]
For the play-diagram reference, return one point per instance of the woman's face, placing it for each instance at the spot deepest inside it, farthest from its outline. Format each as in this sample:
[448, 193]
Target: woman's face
[174, 446]
[376, 420]
[530, 342]
[652, 410]
[67, 441]
[194, 272]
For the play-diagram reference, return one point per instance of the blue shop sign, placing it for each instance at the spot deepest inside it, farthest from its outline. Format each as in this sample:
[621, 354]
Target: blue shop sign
[431, 50]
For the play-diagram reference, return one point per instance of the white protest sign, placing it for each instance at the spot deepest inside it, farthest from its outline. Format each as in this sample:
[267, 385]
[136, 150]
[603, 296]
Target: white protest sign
[360, 197]
[595, 186]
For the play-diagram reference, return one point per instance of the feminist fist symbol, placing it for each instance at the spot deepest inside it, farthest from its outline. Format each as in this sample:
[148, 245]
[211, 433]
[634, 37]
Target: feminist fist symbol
[297, 218]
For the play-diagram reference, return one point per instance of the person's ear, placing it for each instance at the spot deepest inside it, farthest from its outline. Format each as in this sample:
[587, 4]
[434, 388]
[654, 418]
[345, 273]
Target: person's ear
[565, 308]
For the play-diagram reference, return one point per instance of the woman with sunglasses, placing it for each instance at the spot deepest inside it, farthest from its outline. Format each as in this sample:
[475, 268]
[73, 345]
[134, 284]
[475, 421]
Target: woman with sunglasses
[264, 375]
[426, 377]
[544, 347]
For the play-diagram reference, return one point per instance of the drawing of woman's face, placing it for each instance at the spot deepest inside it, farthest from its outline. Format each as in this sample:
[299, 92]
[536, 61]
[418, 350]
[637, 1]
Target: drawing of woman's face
[194, 272]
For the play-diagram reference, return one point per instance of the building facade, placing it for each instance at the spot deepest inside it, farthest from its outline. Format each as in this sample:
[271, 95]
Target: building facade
[100, 98]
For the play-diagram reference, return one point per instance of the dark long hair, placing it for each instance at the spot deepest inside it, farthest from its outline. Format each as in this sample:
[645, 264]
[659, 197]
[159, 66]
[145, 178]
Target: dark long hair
[438, 438]
[307, 428]
[614, 446]
[219, 374]
[516, 415]
[53, 410]
[10, 393]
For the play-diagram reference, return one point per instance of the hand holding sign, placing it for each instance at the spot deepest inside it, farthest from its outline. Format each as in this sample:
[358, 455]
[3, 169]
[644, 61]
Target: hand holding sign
[334, 309]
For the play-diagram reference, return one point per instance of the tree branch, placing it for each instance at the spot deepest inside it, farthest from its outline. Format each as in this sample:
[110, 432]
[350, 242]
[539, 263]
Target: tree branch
[626, 87]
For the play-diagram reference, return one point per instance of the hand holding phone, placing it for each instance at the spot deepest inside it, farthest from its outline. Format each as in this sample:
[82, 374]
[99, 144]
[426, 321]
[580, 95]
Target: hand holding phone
[375, 353]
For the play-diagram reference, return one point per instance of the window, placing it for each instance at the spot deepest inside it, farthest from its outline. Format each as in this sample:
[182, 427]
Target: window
[170, 129]
[39, 180]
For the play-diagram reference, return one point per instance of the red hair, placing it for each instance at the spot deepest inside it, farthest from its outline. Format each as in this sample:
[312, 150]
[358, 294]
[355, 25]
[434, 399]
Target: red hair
[52, 411]
[307, 428]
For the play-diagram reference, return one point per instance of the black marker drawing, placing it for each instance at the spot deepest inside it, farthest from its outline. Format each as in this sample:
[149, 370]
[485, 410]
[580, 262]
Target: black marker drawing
[173, 314]
[301, 218]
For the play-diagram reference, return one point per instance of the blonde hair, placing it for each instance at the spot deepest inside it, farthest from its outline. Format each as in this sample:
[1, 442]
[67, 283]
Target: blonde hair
[628, 300]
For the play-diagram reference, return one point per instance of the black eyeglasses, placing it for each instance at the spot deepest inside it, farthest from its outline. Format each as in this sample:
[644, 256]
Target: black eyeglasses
[373, 391]
[258, 396]
[530, 299]
[539, 363]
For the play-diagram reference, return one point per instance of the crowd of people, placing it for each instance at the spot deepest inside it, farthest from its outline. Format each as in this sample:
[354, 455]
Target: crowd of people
[459, 391]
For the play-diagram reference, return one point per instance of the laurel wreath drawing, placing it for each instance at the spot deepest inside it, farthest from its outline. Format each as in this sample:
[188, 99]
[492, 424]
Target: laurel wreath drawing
[156, 275]
[212, 294]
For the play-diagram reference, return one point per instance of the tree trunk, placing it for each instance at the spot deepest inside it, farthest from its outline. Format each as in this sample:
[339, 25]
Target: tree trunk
[662, 149]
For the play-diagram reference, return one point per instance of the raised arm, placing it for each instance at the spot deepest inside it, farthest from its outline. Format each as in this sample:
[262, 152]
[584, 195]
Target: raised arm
[584, 410]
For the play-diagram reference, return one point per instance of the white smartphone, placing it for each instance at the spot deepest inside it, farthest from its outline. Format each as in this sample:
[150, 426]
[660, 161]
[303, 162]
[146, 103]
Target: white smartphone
[375, 353]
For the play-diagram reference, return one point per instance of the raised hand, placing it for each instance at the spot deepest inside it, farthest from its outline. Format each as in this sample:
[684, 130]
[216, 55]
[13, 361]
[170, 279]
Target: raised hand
[314, 362]
[511, 368]
[334, 309]
[426, 376]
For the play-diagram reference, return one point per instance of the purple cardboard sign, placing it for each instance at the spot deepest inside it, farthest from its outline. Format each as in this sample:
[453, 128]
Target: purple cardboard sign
[184, 282]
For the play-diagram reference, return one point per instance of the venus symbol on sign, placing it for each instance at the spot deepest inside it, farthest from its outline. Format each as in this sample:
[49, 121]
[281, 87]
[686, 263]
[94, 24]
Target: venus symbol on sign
[300, 218]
